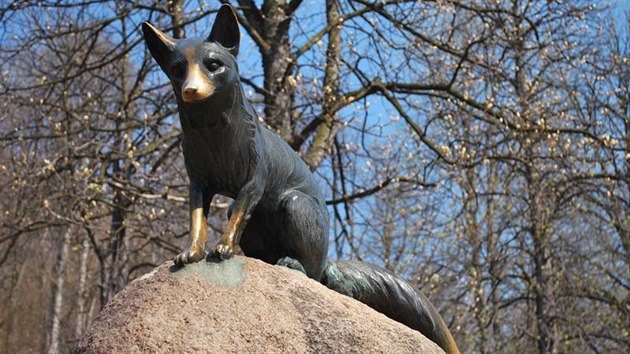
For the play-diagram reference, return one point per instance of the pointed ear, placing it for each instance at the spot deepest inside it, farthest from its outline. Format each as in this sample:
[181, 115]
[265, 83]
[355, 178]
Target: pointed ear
[159, 43]
[225, 30]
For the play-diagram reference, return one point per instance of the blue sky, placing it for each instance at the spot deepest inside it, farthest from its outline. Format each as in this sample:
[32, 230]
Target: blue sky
[620, 9]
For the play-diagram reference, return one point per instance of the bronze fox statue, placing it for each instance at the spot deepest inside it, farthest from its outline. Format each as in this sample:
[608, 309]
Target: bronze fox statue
[278, 214]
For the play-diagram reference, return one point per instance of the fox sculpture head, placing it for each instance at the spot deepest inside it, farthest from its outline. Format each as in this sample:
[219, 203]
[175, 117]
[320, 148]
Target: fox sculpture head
[201, 70]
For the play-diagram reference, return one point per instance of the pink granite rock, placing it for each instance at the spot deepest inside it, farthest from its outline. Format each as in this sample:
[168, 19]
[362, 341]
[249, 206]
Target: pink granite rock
[242, 306]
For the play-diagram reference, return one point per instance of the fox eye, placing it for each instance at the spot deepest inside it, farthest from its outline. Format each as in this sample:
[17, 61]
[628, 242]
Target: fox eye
[177, 70]
[212, 64]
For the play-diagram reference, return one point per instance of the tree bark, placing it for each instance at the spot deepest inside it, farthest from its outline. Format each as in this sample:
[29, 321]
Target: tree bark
[541, 253]
[322, 142]
[82, 298]
[59, 271]
[277, 68]
[269, 26]
[177, 18]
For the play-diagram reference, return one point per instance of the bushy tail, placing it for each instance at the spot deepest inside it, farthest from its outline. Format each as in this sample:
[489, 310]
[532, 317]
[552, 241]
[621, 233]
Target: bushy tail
[388, 294]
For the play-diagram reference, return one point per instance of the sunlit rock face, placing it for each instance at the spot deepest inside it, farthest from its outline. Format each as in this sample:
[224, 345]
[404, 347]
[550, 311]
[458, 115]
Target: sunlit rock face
[242, 306]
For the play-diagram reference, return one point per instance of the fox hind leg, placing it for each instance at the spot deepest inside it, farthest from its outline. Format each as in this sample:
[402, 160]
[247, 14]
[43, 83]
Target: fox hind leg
[301, 226]
[291, 264]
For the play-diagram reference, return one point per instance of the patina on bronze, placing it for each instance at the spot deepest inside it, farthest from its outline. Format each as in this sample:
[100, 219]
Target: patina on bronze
[279, 214]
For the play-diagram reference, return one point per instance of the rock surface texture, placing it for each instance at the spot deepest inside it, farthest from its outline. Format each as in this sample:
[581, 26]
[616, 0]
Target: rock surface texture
[242, 306]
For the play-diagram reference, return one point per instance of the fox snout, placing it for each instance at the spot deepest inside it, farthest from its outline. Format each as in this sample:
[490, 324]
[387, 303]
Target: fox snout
[197, 86]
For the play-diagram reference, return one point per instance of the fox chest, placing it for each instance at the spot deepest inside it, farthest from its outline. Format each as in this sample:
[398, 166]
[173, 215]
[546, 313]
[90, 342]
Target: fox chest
[221, 166]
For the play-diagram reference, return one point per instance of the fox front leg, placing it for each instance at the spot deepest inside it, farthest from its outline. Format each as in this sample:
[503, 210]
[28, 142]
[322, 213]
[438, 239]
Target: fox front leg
[244, 204]
[199, 206]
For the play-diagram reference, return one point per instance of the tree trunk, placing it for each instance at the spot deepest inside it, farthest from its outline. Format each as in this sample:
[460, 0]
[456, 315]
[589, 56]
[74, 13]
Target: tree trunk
[537, 224]
[82, 297]
[12, 310]
[277, 60]
[543, 287]
[177, 18]
[322, 142]
[59, 272]
[122, 169]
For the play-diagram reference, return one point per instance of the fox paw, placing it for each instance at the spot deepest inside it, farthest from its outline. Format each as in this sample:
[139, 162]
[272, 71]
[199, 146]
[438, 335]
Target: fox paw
[221, 253]
[188, 257]
[291, 264]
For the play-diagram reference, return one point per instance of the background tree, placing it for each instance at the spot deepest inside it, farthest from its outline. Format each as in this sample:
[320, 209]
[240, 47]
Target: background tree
[479, 148]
